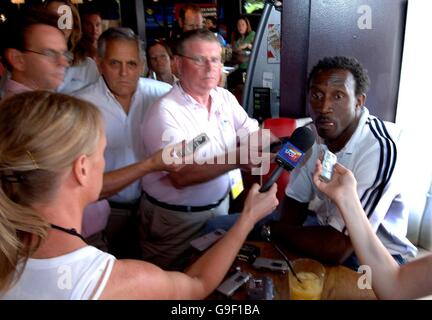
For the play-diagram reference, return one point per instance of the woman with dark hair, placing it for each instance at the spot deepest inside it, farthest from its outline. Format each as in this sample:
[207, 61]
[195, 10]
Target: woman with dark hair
[241, 50]
[243, 42]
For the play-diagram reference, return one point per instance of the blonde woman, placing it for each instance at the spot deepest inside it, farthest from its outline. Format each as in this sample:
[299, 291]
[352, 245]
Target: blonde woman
[51, 167]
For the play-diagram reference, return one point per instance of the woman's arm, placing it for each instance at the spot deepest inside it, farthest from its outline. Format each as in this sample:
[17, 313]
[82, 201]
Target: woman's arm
[140, 280]
[389, 280]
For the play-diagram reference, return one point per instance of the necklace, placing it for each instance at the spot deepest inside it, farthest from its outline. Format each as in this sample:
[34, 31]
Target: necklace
[69, 231]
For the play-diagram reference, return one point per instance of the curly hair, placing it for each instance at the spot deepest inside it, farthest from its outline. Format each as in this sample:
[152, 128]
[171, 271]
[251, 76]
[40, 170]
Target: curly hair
[351, 64]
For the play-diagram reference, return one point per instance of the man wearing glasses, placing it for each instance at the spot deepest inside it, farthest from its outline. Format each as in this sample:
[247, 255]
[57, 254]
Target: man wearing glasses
[35, 52]
[176, 206]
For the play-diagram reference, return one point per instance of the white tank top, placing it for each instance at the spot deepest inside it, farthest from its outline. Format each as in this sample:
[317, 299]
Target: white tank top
[79, 275]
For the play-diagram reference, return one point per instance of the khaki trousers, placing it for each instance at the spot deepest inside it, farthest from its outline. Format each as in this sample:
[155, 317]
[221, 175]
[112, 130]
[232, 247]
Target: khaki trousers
[165, 235]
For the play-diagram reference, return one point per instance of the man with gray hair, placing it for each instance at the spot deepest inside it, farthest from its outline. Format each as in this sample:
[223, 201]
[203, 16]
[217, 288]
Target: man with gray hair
[123, 98]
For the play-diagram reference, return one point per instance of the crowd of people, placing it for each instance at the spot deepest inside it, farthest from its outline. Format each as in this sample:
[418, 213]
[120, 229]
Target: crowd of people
[85, 138]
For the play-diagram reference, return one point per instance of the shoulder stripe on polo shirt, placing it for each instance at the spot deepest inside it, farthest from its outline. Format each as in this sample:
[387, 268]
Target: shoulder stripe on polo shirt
[387, 162]
[388, 154]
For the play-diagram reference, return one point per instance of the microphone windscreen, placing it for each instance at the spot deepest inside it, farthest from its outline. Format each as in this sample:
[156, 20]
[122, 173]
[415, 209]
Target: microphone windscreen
[302, 138]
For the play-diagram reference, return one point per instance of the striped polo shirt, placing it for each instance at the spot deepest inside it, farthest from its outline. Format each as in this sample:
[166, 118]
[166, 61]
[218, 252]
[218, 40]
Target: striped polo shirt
[374, 156]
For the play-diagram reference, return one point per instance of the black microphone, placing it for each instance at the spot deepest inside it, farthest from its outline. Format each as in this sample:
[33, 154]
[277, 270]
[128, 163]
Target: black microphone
[291, 154]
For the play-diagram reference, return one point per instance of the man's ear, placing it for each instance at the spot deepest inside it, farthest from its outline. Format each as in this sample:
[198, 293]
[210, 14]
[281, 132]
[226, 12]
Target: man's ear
[81, 170]
[15, 59]
[181, 23]
[361, 98]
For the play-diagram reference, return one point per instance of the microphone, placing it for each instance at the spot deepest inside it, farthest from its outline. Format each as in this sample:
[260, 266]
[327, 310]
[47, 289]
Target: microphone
[291, 154]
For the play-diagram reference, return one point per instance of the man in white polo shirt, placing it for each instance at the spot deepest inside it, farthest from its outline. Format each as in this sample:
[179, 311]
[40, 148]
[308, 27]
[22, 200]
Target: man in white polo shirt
[367, 146]
[123, 97]
[177, 205]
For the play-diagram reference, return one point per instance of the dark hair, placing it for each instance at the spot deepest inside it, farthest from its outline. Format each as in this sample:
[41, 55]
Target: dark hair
[16, 29]
[351, 64]
[200, 34]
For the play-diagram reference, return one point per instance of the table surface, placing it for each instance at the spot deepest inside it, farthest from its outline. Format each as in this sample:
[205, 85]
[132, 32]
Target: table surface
[340, 283]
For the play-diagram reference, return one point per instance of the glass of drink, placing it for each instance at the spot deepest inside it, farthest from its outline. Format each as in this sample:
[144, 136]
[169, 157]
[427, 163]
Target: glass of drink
[311, 273]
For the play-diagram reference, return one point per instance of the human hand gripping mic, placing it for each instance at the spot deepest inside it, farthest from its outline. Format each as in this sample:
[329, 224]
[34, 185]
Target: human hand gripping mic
[291, 154]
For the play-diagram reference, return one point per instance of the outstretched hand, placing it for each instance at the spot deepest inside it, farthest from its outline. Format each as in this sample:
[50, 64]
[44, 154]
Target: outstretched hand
[260, 204]
[341, 184]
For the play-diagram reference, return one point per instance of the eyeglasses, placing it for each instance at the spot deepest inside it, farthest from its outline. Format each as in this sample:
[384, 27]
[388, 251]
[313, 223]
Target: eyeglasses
[53, 54]
[202, 61]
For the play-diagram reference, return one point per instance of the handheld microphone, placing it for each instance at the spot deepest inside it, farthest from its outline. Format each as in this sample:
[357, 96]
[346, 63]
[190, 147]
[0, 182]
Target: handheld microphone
[291, 154]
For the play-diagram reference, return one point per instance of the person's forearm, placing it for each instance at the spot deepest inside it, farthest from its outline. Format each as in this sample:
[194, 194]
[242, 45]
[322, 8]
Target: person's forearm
[370, 250]
[116, 180]
[211, 268]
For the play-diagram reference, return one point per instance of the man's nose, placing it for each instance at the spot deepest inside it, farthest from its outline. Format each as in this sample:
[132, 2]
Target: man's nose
[326, 105]
[123, 70]
[208, 63]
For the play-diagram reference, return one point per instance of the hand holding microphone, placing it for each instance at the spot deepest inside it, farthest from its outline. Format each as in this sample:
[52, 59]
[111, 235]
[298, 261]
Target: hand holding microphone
[291, 154]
